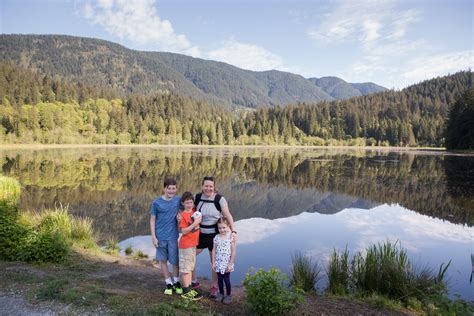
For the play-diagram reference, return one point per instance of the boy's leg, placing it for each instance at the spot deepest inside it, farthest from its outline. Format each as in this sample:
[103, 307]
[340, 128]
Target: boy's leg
[194, 281]
[173, 258]
[162, 257]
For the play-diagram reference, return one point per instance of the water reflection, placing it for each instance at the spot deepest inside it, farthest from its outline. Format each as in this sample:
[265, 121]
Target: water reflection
[258, 183]
[283, 199]
[265, 243]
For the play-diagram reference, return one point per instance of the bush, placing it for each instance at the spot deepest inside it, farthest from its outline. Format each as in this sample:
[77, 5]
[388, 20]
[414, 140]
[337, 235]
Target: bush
[45, 246]
[338, 273]
[128, 250]
[268, 292]
[12, 233]
[304, 272]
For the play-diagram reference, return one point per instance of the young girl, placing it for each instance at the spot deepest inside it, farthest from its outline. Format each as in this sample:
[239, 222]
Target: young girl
[223, 257]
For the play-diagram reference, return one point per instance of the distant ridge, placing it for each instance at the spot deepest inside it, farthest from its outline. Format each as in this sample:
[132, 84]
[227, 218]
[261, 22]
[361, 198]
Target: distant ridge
[102, 63]
[340, 89]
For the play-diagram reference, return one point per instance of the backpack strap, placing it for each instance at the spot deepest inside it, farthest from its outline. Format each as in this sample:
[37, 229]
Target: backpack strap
[216, 201]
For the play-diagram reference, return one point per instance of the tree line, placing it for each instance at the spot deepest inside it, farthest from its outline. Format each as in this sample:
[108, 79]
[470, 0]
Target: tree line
[37, 108]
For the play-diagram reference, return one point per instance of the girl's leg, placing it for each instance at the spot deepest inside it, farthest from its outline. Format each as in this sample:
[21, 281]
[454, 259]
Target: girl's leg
[228, 286]
[220, 281]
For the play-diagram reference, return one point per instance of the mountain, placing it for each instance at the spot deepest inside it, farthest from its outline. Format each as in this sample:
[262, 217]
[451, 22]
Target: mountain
[340, 89]
[109, 65]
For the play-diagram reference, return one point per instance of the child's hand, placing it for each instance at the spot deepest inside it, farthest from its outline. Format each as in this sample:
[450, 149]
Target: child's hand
[213, 267]
[230, 267]
[198, 220]
[179, 217]
[155, 241]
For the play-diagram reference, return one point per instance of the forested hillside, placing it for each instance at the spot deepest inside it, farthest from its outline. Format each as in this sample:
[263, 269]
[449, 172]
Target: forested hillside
[100, 63]
[38, 108]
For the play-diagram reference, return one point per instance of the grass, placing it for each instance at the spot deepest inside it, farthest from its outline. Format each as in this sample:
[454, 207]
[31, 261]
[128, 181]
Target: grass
[304, 272]
[140, 255]
[384, 277]
[9, 189]
[338, 273]
[112, 247]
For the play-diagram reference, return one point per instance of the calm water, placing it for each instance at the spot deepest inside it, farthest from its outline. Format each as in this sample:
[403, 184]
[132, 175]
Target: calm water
[282, 199]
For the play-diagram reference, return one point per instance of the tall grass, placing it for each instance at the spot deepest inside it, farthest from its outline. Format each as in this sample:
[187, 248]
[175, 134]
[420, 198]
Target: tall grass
[9, 189]
[384, 269]
[338, 272]
[304, 272]
[42, 237]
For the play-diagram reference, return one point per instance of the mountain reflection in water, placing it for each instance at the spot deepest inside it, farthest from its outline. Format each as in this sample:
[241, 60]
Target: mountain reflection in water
[265, 243]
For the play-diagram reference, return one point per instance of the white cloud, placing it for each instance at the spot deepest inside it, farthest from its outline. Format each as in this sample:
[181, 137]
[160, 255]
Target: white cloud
[428, 67]
[249, 56]
[137, 21]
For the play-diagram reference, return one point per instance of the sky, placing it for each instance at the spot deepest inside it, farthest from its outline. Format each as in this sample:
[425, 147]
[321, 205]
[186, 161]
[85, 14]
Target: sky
[391, 43]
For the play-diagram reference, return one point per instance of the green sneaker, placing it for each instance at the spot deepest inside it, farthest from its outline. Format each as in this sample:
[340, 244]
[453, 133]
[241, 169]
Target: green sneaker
[192, 295]
[169, 289]
[177, 288]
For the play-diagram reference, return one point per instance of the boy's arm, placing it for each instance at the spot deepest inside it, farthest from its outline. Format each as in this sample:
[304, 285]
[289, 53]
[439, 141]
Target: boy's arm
[186, 230]
[154, 240]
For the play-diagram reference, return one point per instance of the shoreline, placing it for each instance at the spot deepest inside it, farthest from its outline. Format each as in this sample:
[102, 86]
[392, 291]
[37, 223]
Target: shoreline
[60, 146]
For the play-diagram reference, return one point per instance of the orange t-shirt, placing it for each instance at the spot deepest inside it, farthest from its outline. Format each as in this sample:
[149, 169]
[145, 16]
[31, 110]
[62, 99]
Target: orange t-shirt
[190, 239]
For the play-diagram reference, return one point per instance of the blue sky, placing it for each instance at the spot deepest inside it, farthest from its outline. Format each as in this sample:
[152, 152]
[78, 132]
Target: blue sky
[391, 43]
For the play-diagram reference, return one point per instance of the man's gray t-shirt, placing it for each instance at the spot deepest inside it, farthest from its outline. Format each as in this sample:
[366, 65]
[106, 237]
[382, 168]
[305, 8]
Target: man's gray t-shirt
[210, 214]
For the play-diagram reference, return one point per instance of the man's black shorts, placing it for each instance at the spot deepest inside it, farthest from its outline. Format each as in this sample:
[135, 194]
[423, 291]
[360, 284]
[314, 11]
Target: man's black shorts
[206, 241]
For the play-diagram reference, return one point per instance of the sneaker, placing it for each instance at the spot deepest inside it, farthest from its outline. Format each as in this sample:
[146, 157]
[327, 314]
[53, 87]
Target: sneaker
[195, 285]
[227, 299]
[219, 297]
[192, 295]
[213, 292]
[177, 288]
[169, 289]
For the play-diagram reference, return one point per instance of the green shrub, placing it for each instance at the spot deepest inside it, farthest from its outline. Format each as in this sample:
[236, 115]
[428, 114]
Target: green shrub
[45, 246]
[268, 292]
[338, 273]
[128, 250]
[12, 233]
[9, 190]
[304, 272]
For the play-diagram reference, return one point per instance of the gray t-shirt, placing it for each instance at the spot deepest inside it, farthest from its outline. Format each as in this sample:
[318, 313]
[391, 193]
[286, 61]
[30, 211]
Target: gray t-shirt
[210, 214]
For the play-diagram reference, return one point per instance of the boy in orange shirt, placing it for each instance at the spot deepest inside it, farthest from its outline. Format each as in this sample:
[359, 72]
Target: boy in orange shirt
[189, 228]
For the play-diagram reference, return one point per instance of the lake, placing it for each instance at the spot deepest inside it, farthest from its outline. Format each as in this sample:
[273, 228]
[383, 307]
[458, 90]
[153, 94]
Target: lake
[283, 199]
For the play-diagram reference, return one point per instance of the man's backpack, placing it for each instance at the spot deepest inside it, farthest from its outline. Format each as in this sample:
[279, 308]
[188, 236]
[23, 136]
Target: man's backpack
[216, 200]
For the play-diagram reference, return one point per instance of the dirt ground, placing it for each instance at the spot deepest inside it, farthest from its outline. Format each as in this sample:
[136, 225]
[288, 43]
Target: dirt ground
[112, 285]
